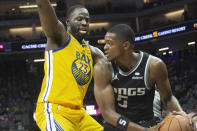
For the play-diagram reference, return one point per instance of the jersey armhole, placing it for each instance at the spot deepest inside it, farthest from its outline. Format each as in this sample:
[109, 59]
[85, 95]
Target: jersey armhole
[146, 73]
[62, 47]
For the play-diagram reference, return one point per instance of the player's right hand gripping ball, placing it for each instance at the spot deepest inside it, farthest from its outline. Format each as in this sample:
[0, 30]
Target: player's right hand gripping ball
[176, 123]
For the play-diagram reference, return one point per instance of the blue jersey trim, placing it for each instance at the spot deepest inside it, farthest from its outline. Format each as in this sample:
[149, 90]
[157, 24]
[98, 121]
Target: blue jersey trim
[62, 47]
[84, 45]
[58, 127]
[48, 76]
[49, 116]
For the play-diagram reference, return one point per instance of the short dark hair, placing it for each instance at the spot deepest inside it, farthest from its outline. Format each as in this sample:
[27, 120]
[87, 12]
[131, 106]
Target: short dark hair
[72, 8]
[124, 32]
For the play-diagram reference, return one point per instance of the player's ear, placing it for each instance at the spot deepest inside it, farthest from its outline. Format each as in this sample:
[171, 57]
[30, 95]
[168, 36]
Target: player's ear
[67, 22]
[126, 45]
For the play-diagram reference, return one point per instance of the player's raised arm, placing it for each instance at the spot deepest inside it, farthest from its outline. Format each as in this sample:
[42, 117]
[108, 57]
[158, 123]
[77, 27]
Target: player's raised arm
[51, 26]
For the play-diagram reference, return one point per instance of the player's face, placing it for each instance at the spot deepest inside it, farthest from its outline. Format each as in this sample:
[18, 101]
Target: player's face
[79, 22]
[113, 47]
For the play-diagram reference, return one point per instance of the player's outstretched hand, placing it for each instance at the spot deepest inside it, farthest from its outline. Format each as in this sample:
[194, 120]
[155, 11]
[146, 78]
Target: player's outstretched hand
[156, 127]
[193, 120]
[193, 117]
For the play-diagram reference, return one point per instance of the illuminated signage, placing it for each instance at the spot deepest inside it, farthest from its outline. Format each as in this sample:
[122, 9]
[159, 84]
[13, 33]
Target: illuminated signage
[156, 34]
[5, 47]
[144, 37]
[91, 110]
[189, 26]
[195, 25]
[2, 47]
[172, 31]
[33, 46]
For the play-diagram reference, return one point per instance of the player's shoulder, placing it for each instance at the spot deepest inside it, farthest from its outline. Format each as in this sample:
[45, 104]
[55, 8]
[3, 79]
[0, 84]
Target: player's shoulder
[97, 54]
[102, 64]
[94, 50]
[156, 62]
[157, 66]
[102, 70]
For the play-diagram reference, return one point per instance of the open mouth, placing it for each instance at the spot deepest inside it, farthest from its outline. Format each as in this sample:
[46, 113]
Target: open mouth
[106, 54]
[83, 31]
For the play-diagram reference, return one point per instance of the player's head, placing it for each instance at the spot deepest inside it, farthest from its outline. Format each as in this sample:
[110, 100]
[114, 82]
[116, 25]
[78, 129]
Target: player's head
[78, 21]
[119, 39]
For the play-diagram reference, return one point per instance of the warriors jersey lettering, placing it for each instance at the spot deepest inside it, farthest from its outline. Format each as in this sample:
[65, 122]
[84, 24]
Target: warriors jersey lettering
[68, 72]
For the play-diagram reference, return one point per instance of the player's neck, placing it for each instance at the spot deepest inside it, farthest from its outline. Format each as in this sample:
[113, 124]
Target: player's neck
[128, 61]
[79, 39]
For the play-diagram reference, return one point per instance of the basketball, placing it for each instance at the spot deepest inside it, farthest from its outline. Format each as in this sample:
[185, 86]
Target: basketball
[176, 123]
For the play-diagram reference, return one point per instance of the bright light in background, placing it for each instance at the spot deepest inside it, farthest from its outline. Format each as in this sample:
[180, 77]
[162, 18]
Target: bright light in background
[31, 6]
[164, 53]
[146, 1]
[170, 52]
[191, 43]
[24, 29]
[101, 41]
[39, 60]
[174, 13]
[162, 49]
[90, 107]
[96, 25]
